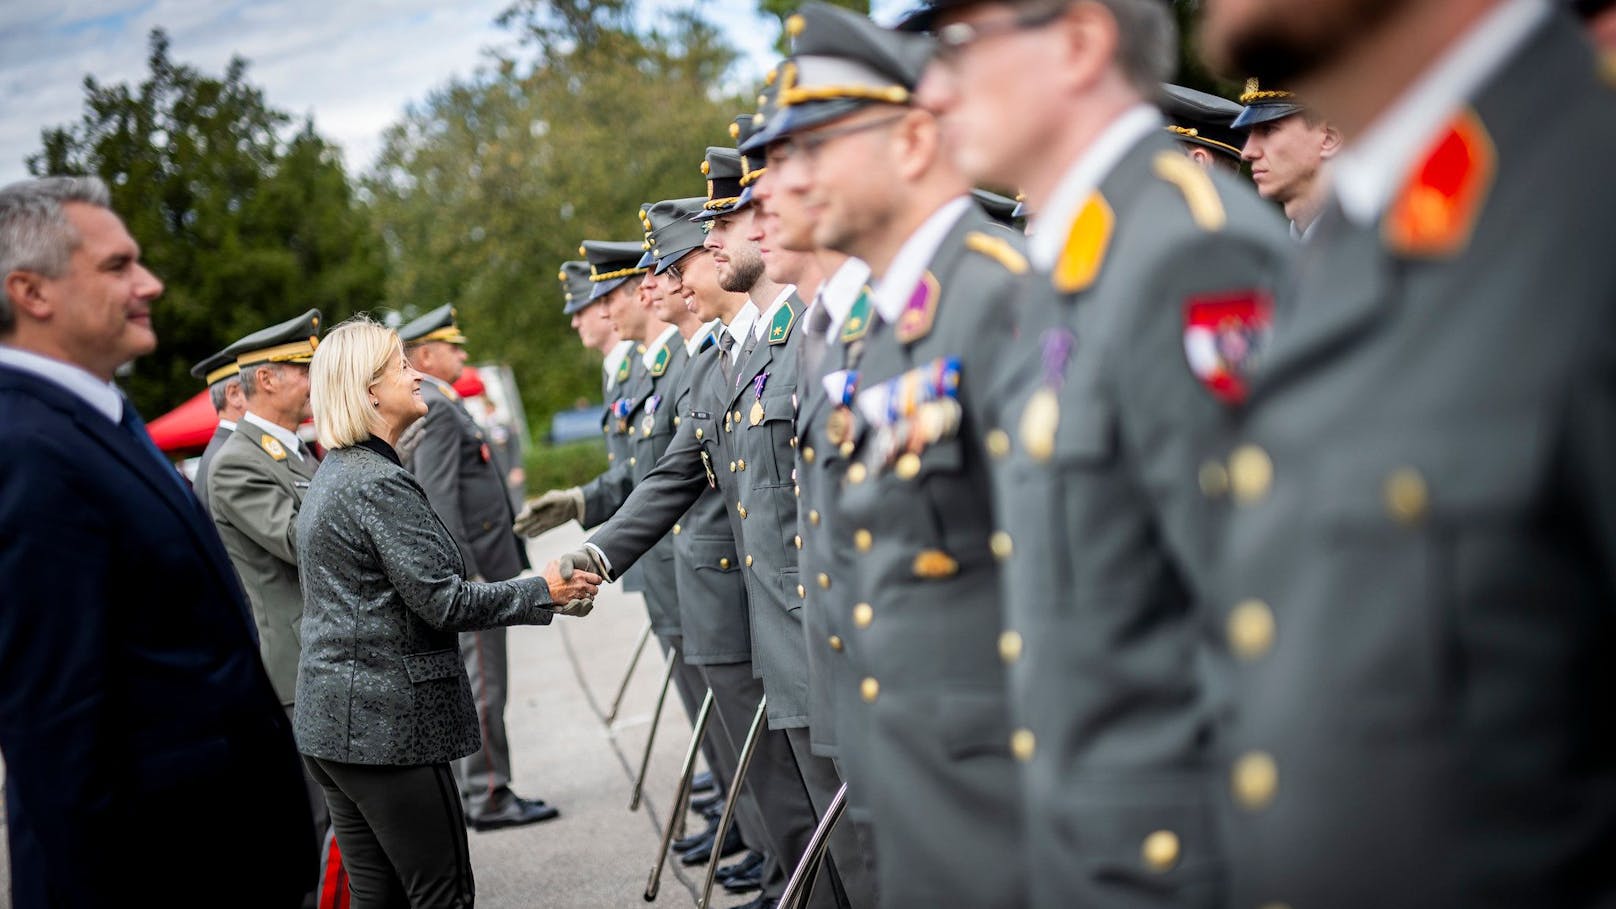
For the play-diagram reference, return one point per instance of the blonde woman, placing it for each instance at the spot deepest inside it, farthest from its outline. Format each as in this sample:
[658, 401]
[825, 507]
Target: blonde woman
[383, 702]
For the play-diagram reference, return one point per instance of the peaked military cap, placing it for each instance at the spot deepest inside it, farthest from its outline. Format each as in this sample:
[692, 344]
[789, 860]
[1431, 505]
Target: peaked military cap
[575, 286]
[841, 62]
[1263, 105]
[216, 368]
[611, 262]
[1000, 208]
[753, 155]
[292, 341]
[437, 325]
[671, 233]
[722, 168]
[1201, 118]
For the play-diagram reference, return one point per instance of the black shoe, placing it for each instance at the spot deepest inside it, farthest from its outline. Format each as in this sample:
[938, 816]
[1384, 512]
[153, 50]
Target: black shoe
[745, 875]
[518, 813]
[702, 838]
[708, 803]
[700, 854]
[702, 782]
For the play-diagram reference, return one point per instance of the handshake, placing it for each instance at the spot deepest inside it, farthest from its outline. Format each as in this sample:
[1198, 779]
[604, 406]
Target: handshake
[574, 579]
[554, 508]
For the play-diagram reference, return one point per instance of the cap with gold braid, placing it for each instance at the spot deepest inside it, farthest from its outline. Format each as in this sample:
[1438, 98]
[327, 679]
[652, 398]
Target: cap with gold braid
[437, 325]
[216, 368]
[1263, 105]
[673, 234]
[722, 168]
[1202, 119]
[575, 286]
[292, 341]
[611, 262]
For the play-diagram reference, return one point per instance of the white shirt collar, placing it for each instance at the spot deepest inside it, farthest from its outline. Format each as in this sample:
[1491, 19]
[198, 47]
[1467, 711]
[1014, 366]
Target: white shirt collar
[227, 425]
[742, 323]
[1368, 172]
[1083, 178]
[762, 323]
[615, 357]
[103, 397]
[909, 265]
[839, 292]
[285, 436]
[652, 349]
[693, 346]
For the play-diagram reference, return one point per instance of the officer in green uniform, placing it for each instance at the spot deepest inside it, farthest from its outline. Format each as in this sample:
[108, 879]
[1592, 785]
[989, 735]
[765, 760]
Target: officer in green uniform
[223, 379]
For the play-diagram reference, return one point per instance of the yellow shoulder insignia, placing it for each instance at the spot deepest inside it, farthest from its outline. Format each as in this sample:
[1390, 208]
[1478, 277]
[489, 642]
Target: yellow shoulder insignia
[998, 249]
[1206, 209]
[1086, 243]
[273, 446]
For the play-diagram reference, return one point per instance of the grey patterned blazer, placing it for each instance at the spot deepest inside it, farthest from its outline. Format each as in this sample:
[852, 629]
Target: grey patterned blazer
[380, 681]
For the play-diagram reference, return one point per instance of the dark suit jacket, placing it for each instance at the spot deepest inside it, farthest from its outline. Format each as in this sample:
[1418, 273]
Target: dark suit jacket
[203, 466]
[466, 486]
[143, 743]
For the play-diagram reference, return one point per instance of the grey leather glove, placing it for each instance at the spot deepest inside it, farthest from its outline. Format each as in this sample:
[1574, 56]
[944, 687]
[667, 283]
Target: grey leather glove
[554, 508]
[581, 560]
[575, 608]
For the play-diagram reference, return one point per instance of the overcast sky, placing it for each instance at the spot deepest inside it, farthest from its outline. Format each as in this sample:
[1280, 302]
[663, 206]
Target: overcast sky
[352, 64]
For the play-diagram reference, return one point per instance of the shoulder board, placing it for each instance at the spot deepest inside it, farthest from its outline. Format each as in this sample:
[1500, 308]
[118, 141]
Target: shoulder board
[1436, 210]
[1206, 208]
[1087, 240]
[660, 364]
[998, 249]
[780, 326]
[272, 446]
[622, 371]
[920, 311]
[857, 323]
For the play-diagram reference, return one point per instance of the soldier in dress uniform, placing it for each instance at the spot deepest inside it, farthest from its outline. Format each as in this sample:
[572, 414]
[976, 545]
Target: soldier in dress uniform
[1203, 125]
[1421, 529]
[1287, 145]
[593, 325]
[1148, 302]
[223, 379]
[466, 486]
[255, 484]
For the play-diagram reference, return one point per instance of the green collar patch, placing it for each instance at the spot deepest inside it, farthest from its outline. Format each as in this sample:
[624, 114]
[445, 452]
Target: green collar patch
[660, 364]
[622, 371]
[780, 326]
[857, 323]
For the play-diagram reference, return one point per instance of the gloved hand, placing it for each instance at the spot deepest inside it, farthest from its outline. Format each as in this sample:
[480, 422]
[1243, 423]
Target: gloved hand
[573, 584]
[554, 508]
[576, 608]
[583, 560]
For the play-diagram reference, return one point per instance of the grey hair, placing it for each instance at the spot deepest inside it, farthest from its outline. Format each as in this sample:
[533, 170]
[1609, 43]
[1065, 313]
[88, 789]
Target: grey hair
[218, 391]
[249, 378]
[35, 234]
[1147, 43]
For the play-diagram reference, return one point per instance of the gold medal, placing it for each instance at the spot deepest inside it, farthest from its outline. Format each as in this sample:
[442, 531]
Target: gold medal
[646, 426]
[908, 466]
[757, 412]
[839, 426]
[1038, 423]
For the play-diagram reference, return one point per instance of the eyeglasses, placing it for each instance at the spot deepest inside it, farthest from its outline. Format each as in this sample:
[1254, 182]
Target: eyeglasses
[952, 40]
[809, 144]
[678, 271]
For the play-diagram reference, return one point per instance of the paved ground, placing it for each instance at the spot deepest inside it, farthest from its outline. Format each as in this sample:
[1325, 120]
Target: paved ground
[597, 854]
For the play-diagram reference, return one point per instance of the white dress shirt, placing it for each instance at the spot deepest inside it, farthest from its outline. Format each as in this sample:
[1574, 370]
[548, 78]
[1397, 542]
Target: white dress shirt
[742, 323]
[909, 265]
[1085, 176]
[103, 397]
[649, 357]
[287, 438]
[227, 425]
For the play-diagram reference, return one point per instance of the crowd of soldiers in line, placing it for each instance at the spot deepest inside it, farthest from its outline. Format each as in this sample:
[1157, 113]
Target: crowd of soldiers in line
[1160, 553]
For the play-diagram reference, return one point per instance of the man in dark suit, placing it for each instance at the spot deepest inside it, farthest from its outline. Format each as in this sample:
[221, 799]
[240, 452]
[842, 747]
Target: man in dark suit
[223, 378]
[466, 486]
[144, 746]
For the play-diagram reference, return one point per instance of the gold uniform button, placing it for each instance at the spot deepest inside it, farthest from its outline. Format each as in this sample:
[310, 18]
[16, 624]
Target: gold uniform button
[846, 449]
[1255, 779]
[723, 564]
[633, 461]
[1406, 495]
[856, 473]
[737, 418]
[740, 464]
[998, 442]
[1009, 646]
[863, 540]
[1022, 745]
[802, 593]
[1002, 545]
[1214, 478]
[676, 529]
[808, 454]
[868, 689]
[610, 456]
[863, 615]
[1250, 474]
[793, 441]
[835, 643]
[698, 432]
[824, 581]
[732, 467]
[908, 466]
[749, 560]
[813, 518]
[1160, 850]
[676, 421]
[1251, 629]
[741, 510]
[797, 541]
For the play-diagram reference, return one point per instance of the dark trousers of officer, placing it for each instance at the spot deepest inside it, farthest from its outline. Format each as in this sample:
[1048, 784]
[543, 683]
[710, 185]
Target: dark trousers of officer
[401, 832]
[484, 776]
[821, 777]
[734, 719]
[692, 689]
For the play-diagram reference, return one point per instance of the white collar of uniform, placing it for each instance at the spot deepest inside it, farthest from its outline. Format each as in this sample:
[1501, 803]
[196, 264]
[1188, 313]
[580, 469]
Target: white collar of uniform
[227, 425]
[655, 347]
[742, 323]
[762, 323]
[1367, 173]
[693, 345]
[1084, 176]
[839, 292]
[284, 435]
[103, 397]
[909, 265]
[615, 357]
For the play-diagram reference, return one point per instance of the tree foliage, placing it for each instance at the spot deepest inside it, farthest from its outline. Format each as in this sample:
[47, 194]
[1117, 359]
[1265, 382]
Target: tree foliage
[246, 217]
[486, 187]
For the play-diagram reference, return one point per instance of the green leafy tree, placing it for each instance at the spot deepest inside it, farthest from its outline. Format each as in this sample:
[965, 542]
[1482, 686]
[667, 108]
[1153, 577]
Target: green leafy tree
[247, 218]
[488, 185]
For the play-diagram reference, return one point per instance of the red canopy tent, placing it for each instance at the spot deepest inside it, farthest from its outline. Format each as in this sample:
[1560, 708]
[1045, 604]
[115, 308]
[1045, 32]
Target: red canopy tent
[187, 428]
